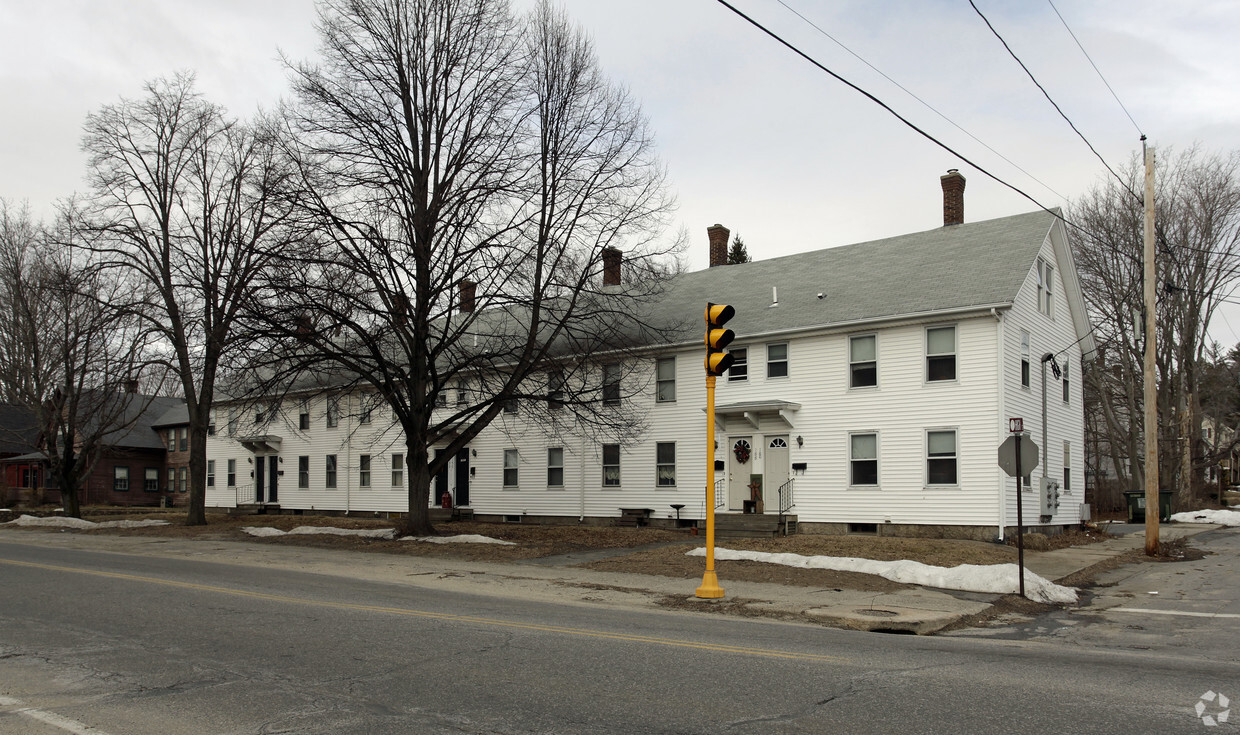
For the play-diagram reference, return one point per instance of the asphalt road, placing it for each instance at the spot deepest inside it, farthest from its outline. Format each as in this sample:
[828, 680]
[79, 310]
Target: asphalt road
[111, 644]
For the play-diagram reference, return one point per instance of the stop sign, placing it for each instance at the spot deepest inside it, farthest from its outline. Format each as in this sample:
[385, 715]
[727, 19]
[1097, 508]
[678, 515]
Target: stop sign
[1028, 455]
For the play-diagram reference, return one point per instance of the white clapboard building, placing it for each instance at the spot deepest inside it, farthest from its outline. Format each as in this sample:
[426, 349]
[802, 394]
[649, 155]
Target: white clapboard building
[872, 388]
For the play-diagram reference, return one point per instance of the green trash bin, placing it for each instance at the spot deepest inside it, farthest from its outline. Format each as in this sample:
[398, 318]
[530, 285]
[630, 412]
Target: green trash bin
[1136, 505]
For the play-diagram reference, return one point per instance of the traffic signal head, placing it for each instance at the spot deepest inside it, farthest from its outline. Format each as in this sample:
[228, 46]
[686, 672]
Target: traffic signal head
[718, 361]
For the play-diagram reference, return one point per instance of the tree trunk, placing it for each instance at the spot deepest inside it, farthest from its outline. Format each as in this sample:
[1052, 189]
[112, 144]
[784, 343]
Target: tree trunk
[196, 513]
[419, 521]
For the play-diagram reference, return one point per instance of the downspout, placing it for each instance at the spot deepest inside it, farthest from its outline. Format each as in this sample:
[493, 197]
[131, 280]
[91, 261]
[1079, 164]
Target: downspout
[1002, 377]
[581, 475]
[348, 463]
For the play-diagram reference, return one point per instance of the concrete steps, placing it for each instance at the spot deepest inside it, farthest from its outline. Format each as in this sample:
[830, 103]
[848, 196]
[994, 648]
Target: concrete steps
[752, 525]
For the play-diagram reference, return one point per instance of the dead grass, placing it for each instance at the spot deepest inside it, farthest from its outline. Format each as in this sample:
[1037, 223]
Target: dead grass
[671, 561]
[1071, 537]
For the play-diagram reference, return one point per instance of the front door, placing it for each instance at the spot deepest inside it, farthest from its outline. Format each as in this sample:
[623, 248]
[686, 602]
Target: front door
[260, 477]
[462, 477]
[776, 471]
[740, 465]
[273, 473]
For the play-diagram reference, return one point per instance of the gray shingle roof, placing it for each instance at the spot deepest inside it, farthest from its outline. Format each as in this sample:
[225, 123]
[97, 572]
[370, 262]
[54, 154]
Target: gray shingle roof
[974, 264]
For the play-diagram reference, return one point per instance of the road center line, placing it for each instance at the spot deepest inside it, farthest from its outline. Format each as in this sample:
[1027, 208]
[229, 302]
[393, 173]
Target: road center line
[1184, 613]
[51, 718]
[584, 632]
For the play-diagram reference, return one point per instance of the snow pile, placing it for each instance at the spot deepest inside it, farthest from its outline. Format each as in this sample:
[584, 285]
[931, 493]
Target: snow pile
[997, 578]
[380, 533]
[465, 538]
[383, 533]
[1221, 517]
[66, 522]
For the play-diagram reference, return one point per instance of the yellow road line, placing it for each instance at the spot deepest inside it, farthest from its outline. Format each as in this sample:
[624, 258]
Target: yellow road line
[745, 650]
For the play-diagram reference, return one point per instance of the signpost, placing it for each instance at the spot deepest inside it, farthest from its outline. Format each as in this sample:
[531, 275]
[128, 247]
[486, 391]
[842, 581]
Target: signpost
[1017, 457]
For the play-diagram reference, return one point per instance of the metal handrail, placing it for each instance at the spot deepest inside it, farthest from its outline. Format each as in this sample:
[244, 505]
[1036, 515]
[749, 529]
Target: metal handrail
[720, 501]
[786, 503]
[246, 495]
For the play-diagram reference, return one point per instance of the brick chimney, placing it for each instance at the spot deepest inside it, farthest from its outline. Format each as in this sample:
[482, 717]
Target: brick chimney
[953, 197]
[611, 266]
[718, 235]
[469, 291]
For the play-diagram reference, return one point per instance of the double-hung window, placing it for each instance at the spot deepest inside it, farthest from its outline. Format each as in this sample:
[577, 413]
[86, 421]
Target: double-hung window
[1024, 358]
[1067, 466]
[611, 465]
[329, 471]
[665, 380]
[611, 385]
[210, 473]
[862, 361]
[1066, 372]
[665, 464]
[511, 468]
[555, 467]
[1046, 277]
[740, 364]
[941, 457]
[777, 360]
[333, 411]
[150, 483]
[398, 469]
[555, 390]
[232, 473]
[303, 416]
[863, 459]
[363, 470]
[941, 353]
[183, 479]
[184, 438]
[303, 472]
[120, 479]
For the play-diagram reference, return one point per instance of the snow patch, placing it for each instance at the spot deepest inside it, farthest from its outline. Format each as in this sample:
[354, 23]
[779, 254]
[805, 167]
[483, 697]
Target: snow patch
[66, 522]
[1222, 517]
[465, 538]
[996, 578]
[261, 531]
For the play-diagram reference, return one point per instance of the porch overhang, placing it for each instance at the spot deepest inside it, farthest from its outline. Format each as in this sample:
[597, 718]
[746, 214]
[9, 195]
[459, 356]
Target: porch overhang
[753, 412]
[264, 444]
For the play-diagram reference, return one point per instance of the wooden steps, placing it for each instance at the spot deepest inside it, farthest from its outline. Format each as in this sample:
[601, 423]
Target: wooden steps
[753, 525]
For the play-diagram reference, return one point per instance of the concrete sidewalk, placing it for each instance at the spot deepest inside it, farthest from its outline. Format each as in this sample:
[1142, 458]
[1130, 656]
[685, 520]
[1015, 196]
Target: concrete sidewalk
[915, 610]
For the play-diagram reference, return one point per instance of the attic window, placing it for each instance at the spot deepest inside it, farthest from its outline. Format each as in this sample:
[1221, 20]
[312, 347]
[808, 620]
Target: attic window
[1046, 278]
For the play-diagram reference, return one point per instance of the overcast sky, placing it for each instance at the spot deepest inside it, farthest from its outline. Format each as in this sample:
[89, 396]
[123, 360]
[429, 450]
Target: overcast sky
[753, 136]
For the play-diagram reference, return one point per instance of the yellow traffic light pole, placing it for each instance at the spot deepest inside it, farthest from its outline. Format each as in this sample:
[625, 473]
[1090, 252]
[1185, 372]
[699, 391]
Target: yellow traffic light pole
[717, 362]
[710, 588]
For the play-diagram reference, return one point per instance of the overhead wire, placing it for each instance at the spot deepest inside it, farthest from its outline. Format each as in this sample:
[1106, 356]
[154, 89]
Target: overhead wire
[897, 115]
[910, 93]
[1095, 66]
[1046, 94]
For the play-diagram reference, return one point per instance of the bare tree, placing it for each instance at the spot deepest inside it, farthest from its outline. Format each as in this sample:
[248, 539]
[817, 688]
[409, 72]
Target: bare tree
[1198, 215]
[187, 202]
[66, 355]
[473, 179]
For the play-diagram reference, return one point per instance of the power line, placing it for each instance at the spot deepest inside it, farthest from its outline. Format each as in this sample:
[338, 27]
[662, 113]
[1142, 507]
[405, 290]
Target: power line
[1048, 99]
[1095, 66]
[928, 106]
[895, 114]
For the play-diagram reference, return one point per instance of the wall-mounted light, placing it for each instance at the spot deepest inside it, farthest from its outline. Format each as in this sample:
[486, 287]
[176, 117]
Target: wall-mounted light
[250, 460]
[800, 442]
[474, 452]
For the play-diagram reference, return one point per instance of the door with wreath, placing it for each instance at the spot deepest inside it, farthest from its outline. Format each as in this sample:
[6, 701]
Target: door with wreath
[740, 466]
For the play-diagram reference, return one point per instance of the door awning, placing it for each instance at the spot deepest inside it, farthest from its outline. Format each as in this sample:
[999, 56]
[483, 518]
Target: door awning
[754, 411]
[264, 444]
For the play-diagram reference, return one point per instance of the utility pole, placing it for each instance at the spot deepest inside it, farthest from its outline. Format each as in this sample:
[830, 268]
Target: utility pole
[1152, 508]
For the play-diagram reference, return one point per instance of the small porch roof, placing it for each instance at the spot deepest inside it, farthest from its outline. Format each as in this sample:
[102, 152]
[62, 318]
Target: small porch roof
[754, 411]
[261, 444]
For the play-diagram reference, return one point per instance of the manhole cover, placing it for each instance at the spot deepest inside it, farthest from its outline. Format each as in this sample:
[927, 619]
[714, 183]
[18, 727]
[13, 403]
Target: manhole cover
[878, 613]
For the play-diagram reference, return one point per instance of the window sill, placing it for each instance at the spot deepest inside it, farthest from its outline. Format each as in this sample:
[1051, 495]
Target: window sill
[941, 487]
[863, 388]
[865, 487]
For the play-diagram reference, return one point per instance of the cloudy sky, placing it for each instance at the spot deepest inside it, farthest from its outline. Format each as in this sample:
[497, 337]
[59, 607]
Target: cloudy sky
[753, 137]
